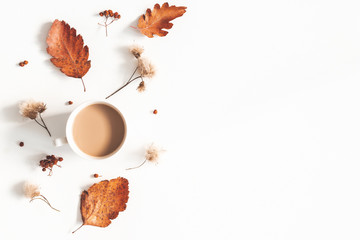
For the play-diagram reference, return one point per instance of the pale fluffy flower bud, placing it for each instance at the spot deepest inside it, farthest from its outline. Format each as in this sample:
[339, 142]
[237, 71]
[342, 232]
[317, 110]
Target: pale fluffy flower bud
[146, 69]
[31, 190]
[31, 109]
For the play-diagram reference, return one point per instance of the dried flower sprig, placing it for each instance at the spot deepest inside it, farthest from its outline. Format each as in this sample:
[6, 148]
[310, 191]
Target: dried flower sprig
[33, 110]
[144, 67]
[109, 14]
[32, 192]
[152, 154]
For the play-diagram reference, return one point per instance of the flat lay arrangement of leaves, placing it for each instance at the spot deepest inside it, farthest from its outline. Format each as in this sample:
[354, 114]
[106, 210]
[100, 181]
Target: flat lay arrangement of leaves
[103, 201]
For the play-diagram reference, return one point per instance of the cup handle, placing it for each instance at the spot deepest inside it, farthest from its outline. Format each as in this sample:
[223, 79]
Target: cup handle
[60, 141]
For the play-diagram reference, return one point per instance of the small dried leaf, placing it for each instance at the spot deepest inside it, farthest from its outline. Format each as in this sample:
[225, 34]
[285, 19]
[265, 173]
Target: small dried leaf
[68, 50]
[103, 201]
[153, 22]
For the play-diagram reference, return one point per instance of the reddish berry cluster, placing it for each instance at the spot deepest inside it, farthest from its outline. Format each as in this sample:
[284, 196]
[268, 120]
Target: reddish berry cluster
[110, 13]
[23, 63]
[49, 162]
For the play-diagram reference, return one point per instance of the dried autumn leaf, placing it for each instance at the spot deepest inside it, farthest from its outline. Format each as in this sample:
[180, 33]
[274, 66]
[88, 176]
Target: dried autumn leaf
[153, 22]
[103, 201]
[68, 51]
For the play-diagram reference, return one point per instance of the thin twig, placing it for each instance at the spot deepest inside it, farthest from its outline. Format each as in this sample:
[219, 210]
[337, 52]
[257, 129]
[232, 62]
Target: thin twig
[133, 73]
[111, 22]
[44, 124]
[123, 86]
[44, 199]
[78, 228]
[83, 84]
[137, 166]
[38, 123]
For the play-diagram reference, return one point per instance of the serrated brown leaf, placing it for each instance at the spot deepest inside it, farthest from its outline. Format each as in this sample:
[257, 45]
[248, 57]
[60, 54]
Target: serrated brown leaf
[103, 201]
[67, 50]
[153, 22]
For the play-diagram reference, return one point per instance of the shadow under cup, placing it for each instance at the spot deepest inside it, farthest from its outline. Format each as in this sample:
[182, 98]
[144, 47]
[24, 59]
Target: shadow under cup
[96, 130]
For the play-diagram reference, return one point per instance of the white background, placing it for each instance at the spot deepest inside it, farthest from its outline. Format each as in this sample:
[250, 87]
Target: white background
[258, 112]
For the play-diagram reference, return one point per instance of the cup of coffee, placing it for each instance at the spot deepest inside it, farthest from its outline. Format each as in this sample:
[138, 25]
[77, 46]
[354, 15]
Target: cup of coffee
[94, 130]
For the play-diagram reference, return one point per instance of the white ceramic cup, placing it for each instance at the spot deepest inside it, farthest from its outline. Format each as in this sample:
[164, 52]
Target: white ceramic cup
[69, 139]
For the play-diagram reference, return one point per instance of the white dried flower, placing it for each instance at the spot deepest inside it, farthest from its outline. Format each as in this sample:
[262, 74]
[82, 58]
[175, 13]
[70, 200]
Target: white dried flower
[141, 87]
[31, 190]
[136, 50]
[31, 109]
[146, 68]
[152, 153]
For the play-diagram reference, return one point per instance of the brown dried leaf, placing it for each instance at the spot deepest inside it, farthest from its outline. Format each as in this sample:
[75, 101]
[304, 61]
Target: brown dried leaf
[68, 50]
[153, 22]
[103, 201]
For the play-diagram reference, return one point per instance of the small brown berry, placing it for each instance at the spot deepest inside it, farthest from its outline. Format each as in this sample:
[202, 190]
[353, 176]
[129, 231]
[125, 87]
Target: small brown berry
[101, 14]
[44, 169]
[96, 175]
[70, 102]
[21, 144]
[111, 13]
[26, 62]
[21, 64]
[155, 111]
[60, 159]
[106, 13]
[48, 157]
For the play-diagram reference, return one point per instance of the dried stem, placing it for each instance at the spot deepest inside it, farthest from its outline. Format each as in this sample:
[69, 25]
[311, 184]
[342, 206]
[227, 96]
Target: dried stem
[137, 166]
[106, 24]
[83, 84]
[39, 123]
[42, 125]
[78, 228]
[127, 83]
[42, 120]
[44, 199]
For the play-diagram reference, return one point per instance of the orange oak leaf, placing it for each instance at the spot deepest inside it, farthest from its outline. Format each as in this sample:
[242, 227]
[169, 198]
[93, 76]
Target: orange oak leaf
[68, 51]
[153, 22]
[103, 201]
